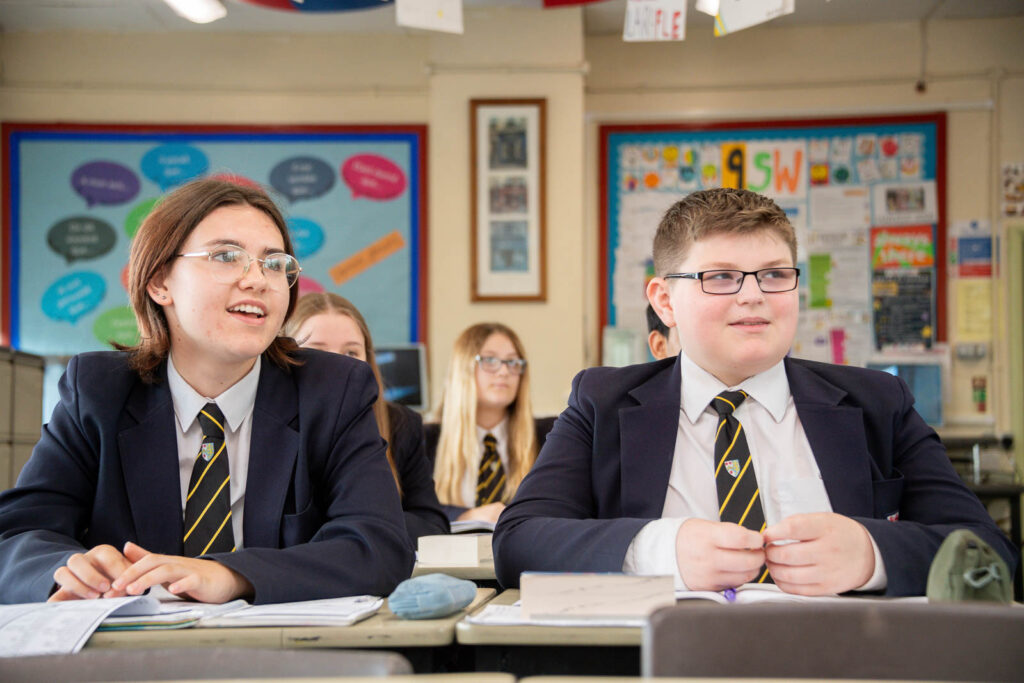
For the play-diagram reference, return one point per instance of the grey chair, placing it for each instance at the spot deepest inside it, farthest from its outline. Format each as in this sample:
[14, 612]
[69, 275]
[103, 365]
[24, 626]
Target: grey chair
[200, 663]
[863, 639]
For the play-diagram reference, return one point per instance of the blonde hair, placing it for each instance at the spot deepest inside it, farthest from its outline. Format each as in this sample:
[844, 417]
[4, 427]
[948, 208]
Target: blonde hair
[320, 303]
[457, 447]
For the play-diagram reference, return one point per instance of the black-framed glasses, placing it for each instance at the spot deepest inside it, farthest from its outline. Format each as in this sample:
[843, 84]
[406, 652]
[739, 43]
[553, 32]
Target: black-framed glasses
[231, 264]
[770, 280]
[516, 366]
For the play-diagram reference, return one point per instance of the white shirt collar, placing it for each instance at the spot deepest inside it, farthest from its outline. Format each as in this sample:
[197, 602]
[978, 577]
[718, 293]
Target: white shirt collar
[769, 388]
[236, 402]
[500, 431]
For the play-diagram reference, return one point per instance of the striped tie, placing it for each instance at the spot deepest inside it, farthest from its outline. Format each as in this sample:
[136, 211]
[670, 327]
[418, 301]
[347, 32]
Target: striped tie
[208, 506]
[490, 480]
[738, 493]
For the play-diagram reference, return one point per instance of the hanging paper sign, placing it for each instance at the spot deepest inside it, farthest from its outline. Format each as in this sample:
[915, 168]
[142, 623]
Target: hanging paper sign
[432, 15]
[654, 20]
[735, 15]
[907, 246]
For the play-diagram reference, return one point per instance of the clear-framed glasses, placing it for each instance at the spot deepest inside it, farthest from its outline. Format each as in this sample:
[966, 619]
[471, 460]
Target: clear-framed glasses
[231, 264]
[770, 280]
[516, 366]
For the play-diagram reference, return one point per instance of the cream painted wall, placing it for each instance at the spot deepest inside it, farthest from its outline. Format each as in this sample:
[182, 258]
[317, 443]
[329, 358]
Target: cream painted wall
[836, 70]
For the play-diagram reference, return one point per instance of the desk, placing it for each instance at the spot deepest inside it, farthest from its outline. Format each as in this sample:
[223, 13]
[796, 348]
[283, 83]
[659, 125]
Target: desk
[534, 650]
[1011, 493]
[418, 640]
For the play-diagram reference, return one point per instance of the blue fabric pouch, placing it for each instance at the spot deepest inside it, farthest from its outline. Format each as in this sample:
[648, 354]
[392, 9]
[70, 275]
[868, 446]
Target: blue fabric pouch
[431, 596]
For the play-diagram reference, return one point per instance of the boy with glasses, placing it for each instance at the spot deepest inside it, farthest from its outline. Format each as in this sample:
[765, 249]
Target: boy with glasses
[732, 463]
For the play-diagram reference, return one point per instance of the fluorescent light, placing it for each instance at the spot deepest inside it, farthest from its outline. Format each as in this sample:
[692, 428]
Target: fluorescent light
[198, 11]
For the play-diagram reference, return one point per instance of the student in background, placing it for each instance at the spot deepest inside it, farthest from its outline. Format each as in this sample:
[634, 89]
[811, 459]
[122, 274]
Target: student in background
[332, 323]
[661, 339]
[214, 457]
[732, 463]
[487, 438]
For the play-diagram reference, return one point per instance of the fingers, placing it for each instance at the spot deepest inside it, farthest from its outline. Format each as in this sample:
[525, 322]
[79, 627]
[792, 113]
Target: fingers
[72, 586]
[804, 527]
[735, 537]
[88, 575]
[146, 562]
[162, 573]
[134, 552]
[716, 555]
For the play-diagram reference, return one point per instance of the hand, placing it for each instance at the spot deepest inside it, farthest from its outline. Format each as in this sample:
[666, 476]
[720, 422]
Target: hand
[484, 513]
[717, 555]
[834, 554]
[202, 580]
[89, 574]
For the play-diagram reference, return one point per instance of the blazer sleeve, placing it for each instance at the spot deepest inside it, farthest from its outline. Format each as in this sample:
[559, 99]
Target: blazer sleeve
[931, 501]
[553, 522]
[358, 543]
[431, 435]
[423, 513]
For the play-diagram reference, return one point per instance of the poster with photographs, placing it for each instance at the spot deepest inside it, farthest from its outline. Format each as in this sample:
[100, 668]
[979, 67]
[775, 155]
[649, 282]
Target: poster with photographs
[507, 198]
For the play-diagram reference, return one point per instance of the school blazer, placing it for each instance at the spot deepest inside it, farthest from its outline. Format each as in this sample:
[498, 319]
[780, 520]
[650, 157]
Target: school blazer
[322, 514]
[423, 513]
[603, 472]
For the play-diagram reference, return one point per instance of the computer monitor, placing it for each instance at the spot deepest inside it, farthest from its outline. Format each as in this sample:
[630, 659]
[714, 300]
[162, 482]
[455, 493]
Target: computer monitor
[926, 381]
[403, 368]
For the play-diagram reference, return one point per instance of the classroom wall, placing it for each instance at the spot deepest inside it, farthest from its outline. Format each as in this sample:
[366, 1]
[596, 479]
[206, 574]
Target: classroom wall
[974, 69]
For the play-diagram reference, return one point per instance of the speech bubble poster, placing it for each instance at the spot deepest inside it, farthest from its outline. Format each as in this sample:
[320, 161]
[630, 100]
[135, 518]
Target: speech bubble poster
[353, 200]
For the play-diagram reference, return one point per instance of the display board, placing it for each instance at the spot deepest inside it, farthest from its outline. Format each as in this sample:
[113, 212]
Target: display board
[866, 196]
[74, 196]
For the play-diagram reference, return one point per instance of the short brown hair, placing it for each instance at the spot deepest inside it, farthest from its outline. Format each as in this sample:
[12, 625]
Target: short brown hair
[157, 243]
[721, 211]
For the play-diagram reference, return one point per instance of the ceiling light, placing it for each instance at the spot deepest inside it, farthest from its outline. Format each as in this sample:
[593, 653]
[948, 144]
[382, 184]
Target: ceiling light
[198, 11]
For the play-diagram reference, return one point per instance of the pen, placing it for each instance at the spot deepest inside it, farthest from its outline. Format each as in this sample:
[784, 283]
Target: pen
[730, 594]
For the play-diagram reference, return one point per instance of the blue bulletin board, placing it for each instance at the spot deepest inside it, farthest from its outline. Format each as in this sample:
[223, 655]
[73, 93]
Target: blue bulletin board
[74, 196]
[866, 196]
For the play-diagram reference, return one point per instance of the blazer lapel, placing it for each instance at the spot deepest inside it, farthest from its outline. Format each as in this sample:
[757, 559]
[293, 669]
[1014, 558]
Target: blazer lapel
[148, 448]
[647, 440]
[273, 449]
[837, 439]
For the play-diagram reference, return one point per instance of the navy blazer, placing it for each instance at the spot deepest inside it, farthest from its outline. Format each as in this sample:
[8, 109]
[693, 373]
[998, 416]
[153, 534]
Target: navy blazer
[423, 513]
[432, 432]
[603, 473]
[322, 515]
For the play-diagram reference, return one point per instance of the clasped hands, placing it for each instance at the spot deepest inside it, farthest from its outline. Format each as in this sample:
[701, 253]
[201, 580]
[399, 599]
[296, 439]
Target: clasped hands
[106, 572]
[832, 554]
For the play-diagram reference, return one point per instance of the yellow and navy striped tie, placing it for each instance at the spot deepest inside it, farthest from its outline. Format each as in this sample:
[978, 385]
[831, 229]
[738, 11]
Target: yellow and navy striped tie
[739, 499]
[490, 480]
[208, 505]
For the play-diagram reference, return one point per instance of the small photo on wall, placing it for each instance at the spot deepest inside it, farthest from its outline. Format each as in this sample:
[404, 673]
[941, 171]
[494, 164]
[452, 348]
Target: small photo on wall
[508, 147]
[510, 246]
[508, 195]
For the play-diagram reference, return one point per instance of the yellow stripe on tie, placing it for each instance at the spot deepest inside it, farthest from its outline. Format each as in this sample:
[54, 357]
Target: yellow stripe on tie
[217, 533]
[734, 485]
[219, 425]
[490, 498]
[203, 513]
[483, 485]
[727, 401]
[764, 575]
[205, 470]
[753, 498]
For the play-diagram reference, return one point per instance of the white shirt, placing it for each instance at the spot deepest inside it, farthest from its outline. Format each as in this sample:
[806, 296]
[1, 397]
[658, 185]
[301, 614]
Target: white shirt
[787, 473]
[469, 482]
[236, 403]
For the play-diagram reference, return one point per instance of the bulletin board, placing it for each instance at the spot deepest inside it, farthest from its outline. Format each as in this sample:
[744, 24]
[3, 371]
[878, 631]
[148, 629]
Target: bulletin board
[866, 196]
[354, 198]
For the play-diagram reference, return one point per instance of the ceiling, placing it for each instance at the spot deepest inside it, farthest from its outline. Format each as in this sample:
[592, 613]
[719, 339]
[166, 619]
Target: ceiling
[600, 18]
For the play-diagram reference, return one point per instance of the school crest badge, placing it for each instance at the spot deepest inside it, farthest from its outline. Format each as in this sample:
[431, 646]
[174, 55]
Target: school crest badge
[732, 467]
[206, 451]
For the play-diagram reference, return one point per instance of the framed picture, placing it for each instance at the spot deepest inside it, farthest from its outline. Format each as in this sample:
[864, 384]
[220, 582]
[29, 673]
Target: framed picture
[507, 200]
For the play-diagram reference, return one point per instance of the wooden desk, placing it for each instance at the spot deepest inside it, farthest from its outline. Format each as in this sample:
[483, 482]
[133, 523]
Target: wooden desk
[416, 639]
[535, 650]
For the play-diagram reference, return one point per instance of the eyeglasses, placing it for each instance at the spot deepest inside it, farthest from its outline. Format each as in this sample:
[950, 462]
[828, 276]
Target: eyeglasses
[516, 366]
[229, 265]
[770, 280]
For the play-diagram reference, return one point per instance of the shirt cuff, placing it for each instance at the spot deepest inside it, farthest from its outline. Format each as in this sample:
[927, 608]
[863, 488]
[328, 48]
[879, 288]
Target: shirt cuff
[879, 578]
[652, 552]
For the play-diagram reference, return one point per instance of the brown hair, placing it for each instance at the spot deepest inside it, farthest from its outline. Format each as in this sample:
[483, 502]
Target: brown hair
[327, 302]
[721, 211]
[457, 446]
[157, 243]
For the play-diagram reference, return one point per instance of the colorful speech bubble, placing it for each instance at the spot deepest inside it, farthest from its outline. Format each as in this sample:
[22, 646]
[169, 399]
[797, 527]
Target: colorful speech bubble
[137, 215]
[73, 295]
[170, 165]
[302, 178]
[307, 236]
[81, 237]
[117, 325]
[373, 176]
[308, 285]
[104, 182]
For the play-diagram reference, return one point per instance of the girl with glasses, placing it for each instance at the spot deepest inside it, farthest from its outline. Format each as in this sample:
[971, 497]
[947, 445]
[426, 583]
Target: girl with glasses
[332, 323]
[487, 439]
[214, 457]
